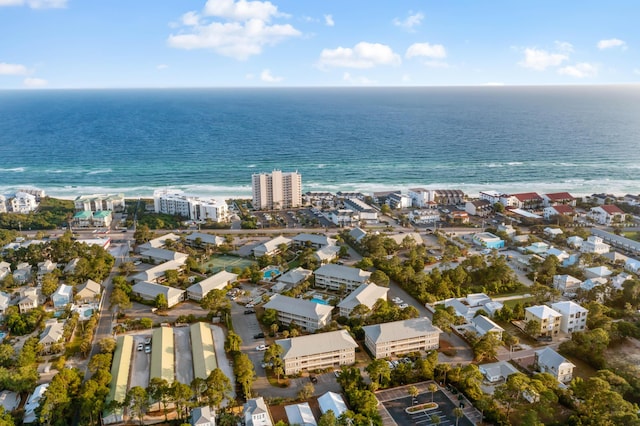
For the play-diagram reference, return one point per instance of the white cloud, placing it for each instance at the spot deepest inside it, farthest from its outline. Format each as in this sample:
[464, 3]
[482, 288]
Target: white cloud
[242, 10]
[12, 69]
[357, 79]
[162, 67]
[35, 82]
[540, 60]
[36, 4]
[580, 70]
[413, 20]
[426, 50]
[564, 46]
[328, 21]
[363, 55]
[246, 31]
[267, 77]
[611, 43]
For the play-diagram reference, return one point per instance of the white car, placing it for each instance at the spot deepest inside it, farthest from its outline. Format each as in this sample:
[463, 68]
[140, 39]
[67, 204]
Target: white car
[140, 346]
[403, 305]
[249, 305]
[399, 301]
[262, 347]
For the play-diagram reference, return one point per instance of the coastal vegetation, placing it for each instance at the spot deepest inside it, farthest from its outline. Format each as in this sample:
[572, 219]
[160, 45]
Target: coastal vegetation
[52, 213]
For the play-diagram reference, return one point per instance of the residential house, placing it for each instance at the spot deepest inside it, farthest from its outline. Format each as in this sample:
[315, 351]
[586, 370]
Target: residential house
[317, 351]
[315, 241]
[497, 371]
[567, 284]
[401, 337]
[549, 361]
[344, 217]
[5, 270]
[548, 319]
[537, 248]
[552, 232]
[481, 208]
[492, 197]
[218, 281]
[507, 229]
[51, 335]
[306, 314]
[488, 240]
[33, 402]
[553, 212]
[23, 203]
[562, 256]
[559, 199]
[290, 279]
[199, 239]
[399, 201]
[632, 265]
[9, 400]
[366, 213]
[149, 291]
[458, 216]
[484, 325]
[157, 273]
[62, 296]
[335, 277]
[158, 255]
[591, 283]
[476, 299]
[357, 234]
[4, 302]
[22, 274]
[44, 268]
[332, 401]
[597, 272]
[594, 245]
[574, 316]
[461, 309]
[256, 413]
[203, 416]
[419, 197]
[28, 300]
[327, 254]
[632, 200]
[88, 292]
[348, 195]
[366, 294]
[575, 241]
[271, 247]
[607, 214]
[620, 279]
[103, 218]
[300, 415]
[401, 237]
[424, 217]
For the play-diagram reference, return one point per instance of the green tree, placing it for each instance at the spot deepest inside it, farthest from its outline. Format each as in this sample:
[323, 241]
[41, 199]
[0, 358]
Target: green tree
[413, 391]
[160, 301]
[218, 389]
[532, 328]
[458, 413]
[181, 394]
[159, 391]
[233, 342]
[56, 405]
[216, 302]
[486, 347]
[379, 371]
[307, 391]
[245, 374]
[269, 317]
[380, 278]
[49, 284]
[137, 400]
[328, 419]
[433, 388]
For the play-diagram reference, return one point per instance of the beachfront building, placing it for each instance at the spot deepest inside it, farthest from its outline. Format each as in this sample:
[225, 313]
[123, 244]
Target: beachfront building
[98, 202]
[549, 361]
[22, 202]
[488, 240]
[548, 319]
[558, 199]
[365, 212]
[276, 190]
[595, 245]
[399, 201]
[492, 197]
[335, 277]
[525, 200]
[553, 212]
[574, 316]
[149, 291]
[256, 413]
[304, 313]
[401, 337]
[344, 217]
[82, 219]
[190, 207]
[272, 247]
[606, 214]
[481, 208]
[102, 218]
[366, 295]
[317, 351]
[218, 281]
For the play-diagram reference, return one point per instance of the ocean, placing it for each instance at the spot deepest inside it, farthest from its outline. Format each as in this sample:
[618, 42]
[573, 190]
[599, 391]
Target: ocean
[208, 142]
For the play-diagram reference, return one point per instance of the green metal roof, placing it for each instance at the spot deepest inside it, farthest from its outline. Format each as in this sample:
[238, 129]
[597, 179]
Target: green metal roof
[162, 355]
[204, 356]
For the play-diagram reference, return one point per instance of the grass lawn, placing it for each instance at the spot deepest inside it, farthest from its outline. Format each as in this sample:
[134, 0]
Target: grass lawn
[632, 235]
[220, 262]
[511, 303]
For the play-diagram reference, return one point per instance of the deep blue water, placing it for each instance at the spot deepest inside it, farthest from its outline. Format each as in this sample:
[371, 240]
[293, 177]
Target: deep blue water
[210, 141]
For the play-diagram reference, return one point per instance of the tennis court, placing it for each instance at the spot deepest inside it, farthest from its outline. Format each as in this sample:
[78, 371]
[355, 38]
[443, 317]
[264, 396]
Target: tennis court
[218, 263]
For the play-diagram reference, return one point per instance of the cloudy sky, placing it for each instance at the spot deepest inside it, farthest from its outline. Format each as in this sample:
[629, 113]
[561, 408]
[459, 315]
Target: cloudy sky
[231, 43]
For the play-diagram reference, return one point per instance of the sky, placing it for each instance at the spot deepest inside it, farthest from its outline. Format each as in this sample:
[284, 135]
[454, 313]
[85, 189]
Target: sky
[238, 43]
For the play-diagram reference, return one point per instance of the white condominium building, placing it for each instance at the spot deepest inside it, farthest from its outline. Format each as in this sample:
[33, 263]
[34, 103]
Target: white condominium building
[98, 202]
[276, 190]
[306, 314]
[191, 207]
[401, 337]
[332, 277]
[316, 351]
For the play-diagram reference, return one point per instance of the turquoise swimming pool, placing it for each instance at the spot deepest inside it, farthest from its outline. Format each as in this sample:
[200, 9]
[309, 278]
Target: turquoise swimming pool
[319, 301]
[270, 273]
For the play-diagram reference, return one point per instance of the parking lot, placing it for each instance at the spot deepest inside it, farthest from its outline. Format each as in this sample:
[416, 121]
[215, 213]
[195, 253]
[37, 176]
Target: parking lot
[140, 367]
[184, 355]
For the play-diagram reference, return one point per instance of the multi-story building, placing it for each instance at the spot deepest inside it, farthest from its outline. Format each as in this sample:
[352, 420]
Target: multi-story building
[333, 277]
[479, 208]
[555, 211]
[401, 337]
[23, 202]
[594, 244]
[567, 284]
[365, 212]
[606, 214]
[574, 316]
[317, 351]
[366, 294]
[304, 313]
[525, 200]
[190, 207]
[549, 361]
[558, 198]
[276, 190]
[548, 319]
[97, 202]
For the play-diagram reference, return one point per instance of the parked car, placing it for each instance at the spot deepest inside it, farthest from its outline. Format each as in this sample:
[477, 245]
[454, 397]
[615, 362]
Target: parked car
[249, 312]
[140, 346]
[249, 305]
[313, 379]
[336, 373]
[403, 305]
[147, 349]
[262, 347]
[147, 341]
[258, 336]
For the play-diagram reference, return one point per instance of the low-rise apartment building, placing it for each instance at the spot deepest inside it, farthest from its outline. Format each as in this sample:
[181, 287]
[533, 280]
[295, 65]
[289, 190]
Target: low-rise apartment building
[317, 351]
[595, 245]
[366, 294]
[333, 277]
[401, 337]
[306, 314]
[548, 319]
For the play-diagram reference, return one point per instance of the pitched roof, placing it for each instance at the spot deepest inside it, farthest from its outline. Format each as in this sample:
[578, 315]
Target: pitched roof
[88, 289]
[295, 276]
[300, 414]
[163, 254]
[205, 238]
[321, 240]
[302, 307]
[151, 290]
[295, 347]
[344, 272]
[485, 324]
[158, 271]
[217, 281]
[568, 307]
[365, 294]
[526, 196]
[559, 196]
[273, 244]
[550, 358]
[563, 209]
[332, 401]
[611, 209]
[256, 406]
[52, 333]
[543, 311]
[390, 331]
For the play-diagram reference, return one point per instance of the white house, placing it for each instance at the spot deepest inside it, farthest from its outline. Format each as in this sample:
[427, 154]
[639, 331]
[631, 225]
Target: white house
[357, 234]
[201, 239]
[327, 254]
[22, 274]
[574, 316]
[479, 208]
[594, 245]
[632, 265]
[300, 414]
[484, 325]
[424, 217]
[552, 232]
[51, 335]
[333, 277]
[203, 416]
[23, 203]
[271, 247]
[575, 241]
[149, 291]
[549, 361]
[497, 371]
[159, 255]
[365, 212]
[157, 273]
[256, 413]
[306, 314]
[344, 217]
[158, 242]
[567, 284]
[332, 401]
[366, 294]
[218, 281]
[551, 212]
[33, 402]
[597, 272]
[606, 214]
[5, 270]
[292, 278]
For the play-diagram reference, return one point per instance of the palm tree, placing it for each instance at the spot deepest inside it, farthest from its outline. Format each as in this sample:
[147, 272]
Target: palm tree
[457, 412]
[435, 419]
[433, 388]
[413, 392]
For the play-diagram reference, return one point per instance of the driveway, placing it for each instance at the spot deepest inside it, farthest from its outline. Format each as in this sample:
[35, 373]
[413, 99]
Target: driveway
[184, 355]
[221, 357]
[141, 364]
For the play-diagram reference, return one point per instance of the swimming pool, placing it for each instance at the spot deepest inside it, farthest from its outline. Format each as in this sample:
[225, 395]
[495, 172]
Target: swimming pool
[87, 313]
[270, 273]
[319, 301]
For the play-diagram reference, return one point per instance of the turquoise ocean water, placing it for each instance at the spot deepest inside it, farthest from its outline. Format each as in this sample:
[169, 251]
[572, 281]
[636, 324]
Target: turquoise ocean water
[210, 141]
